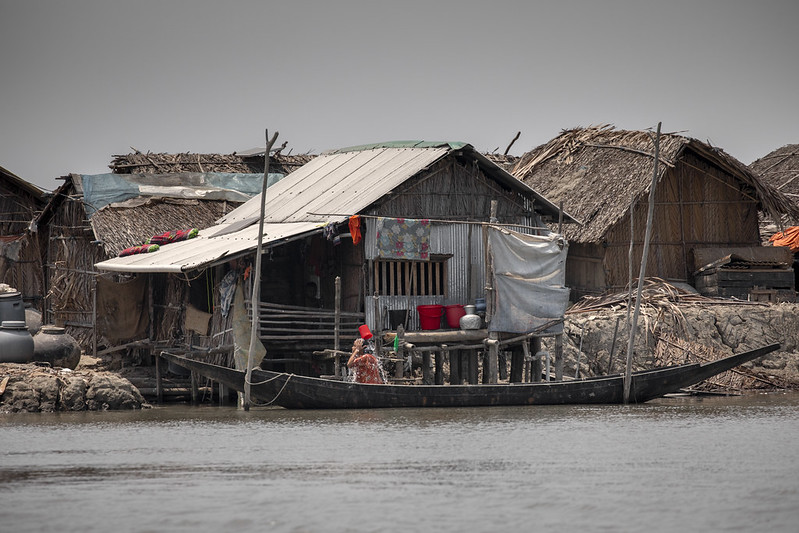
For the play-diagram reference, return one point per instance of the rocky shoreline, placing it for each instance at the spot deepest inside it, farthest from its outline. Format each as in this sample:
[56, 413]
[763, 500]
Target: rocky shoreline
[33, 388]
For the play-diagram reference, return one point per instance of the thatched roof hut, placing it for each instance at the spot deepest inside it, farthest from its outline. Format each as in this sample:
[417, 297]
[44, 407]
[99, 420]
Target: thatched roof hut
[93, 218]
[780, 169]
[704, 198]
[20, 259]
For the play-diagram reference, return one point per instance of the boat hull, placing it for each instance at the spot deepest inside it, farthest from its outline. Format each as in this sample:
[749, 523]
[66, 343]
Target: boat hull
[302, 392]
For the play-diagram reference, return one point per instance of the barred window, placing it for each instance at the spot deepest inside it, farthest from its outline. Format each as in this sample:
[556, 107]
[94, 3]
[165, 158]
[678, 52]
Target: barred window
[417, 278]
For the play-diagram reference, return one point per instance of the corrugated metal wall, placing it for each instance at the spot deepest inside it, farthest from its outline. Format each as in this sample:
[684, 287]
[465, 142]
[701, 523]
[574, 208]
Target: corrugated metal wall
[465, 271]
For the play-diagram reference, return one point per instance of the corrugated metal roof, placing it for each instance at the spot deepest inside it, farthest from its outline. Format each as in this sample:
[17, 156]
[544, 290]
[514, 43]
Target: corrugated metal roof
[344, 183]
[327, 189]
[203, 250]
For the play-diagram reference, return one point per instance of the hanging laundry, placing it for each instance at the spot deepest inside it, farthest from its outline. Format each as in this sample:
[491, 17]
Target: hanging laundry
[403, 238]
[330, 232]
[355, 229]
[174, 236]
[143, 249]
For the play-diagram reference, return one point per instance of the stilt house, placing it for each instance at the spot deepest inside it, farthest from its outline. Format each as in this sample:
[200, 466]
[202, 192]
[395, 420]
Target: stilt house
[706, 207]
[322, 223]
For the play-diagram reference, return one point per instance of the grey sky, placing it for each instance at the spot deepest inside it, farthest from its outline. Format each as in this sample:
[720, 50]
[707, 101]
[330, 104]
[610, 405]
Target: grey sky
[83, 80]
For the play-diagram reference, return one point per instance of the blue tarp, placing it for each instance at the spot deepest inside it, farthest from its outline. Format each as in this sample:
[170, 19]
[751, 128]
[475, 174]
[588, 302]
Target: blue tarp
[100, 190]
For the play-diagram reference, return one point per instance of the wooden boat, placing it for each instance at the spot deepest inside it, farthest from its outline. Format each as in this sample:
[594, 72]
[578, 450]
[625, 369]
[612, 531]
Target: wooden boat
[302, 392]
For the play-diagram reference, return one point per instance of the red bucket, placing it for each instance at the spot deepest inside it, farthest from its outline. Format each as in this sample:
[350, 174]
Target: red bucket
[454, 314]
[430, 316]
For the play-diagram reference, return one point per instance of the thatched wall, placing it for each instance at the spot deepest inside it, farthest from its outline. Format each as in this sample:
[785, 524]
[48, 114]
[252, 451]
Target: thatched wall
[71, 256]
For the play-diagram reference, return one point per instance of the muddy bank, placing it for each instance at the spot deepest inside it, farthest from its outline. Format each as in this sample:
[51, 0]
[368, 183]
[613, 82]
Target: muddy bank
[722, 329]
[32, 388]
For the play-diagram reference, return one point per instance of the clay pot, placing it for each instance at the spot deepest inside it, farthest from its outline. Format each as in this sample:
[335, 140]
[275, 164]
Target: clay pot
[53, 345]
[16, 343]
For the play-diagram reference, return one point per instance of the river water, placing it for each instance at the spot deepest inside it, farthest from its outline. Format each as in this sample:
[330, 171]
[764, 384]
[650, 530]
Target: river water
[678, 464]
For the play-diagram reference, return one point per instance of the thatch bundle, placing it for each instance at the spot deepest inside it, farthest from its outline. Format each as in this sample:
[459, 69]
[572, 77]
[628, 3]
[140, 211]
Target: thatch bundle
[163, 163]
[597, 171]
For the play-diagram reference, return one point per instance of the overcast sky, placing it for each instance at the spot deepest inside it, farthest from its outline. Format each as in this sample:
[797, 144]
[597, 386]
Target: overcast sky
[83, 80]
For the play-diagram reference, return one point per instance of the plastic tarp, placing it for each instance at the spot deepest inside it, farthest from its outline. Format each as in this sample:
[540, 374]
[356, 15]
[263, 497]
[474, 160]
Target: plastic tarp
[100, 190]
[529, 277]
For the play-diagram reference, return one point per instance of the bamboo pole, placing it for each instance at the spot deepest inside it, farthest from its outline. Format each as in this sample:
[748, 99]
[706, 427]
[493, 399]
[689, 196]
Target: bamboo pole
[642, 271]
[256, 285]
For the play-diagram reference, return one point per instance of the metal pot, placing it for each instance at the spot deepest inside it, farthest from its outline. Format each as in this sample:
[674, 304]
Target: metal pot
[471, 321]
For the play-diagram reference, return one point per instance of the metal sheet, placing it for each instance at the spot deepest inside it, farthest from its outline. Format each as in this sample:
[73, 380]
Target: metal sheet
[204, 251]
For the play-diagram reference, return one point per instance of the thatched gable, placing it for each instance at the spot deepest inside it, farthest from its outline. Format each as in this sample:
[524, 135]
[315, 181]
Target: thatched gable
[780, 169]
[597, 171]
[248, 163]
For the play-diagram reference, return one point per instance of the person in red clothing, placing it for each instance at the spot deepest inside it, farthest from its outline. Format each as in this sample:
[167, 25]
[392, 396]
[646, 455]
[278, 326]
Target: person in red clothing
[365, 365]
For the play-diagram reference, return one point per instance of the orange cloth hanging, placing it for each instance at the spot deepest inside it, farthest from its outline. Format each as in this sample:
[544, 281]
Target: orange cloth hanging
[788, 238]
[355, 229]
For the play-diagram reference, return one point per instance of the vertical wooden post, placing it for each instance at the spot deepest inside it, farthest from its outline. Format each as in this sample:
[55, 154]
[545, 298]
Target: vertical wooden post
[255, 302]
[518, 362]
[440, 356]
[378, 328]
[492, 345]
[195, 388]
[642, 272]
[159, 389]
[94, 315]
[223, 392]
[474, 370]
[337, 329]
[455, 367]
[427, 377]
[398, 365]
[535, 368]
[559, 357]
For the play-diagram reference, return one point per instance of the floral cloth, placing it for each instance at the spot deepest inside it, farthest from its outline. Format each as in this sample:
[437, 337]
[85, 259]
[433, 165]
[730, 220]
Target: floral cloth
[366, 369]
[403, 238]
[143, 249]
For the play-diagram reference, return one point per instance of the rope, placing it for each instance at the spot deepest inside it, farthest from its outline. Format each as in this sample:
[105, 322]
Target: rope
[278, 392]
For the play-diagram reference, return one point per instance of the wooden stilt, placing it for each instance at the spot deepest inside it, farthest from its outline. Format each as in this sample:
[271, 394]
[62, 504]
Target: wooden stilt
[559, 357]
[455, 367]
[440, 356]
[492, 344]
[195, 388]
[517, 362]
[427, 374]
[535, 367]
[159, 389]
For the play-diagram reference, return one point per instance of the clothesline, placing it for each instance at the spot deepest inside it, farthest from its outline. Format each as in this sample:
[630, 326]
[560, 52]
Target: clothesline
[437, 220]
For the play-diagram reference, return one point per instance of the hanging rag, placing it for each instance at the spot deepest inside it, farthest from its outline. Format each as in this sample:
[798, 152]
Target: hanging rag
[330, 232]
[143, 249]
[174, 236]
[355, 229]
[227, 288]
[403, 238]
